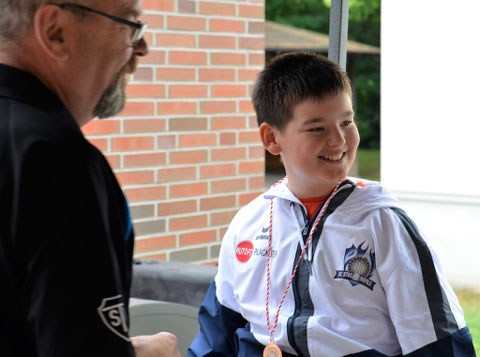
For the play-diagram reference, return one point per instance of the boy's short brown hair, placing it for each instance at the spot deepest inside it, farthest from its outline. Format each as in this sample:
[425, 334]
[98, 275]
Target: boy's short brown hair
[292, 78]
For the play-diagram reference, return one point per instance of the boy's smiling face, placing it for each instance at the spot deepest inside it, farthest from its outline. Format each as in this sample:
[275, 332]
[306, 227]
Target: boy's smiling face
[318, 145]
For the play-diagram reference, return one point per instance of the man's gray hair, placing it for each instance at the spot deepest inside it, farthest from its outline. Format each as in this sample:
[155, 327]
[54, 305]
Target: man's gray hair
[16, 17]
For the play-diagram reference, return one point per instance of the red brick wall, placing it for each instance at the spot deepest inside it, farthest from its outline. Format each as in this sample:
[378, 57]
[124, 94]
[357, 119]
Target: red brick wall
[186, 149]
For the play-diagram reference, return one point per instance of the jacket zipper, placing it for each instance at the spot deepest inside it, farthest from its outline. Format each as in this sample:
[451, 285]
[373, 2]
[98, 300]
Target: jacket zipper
[296, 294]
[305, 232]
[295, 291]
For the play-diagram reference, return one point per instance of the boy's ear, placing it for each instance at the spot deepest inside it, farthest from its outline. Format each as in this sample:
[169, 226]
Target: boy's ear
[269, 134]
[50, 33]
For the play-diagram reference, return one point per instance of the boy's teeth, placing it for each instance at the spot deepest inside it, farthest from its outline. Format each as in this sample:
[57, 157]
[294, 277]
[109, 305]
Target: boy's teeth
[332, 158]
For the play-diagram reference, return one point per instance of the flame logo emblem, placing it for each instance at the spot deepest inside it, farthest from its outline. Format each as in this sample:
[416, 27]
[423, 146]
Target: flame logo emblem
[359, 266]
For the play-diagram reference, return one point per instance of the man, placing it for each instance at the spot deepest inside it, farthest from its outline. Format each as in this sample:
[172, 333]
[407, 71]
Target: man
[66, 236]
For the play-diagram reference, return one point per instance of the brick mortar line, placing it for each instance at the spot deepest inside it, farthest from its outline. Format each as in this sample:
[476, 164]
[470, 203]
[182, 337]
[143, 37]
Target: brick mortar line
[188, 231]
[205, 50]
[181, 99]
[208, 50]
[209, 83]
[180, 215]
[140, 238]
[206, 32]
[185, 231]
[209, 179]
[179, 66]
[166, 133]
[216, 227]
[186, 199]
[193, 81]
[200, 180]
[157, 201]
[198, 15]
[191, 99]
[249, 145]
[163, 133]
[181, 166]
[196, 34]
[201, 16]
[181, 248]
[201, 66]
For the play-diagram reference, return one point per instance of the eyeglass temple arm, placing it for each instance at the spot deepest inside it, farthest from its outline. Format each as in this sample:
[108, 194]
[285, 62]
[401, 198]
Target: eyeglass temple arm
[137, 25]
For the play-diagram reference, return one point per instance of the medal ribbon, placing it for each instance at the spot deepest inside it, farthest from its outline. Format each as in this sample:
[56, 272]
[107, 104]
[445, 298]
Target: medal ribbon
[317, 220]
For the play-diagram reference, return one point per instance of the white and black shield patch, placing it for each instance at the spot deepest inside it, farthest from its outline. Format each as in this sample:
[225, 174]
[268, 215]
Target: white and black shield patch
[113, 314]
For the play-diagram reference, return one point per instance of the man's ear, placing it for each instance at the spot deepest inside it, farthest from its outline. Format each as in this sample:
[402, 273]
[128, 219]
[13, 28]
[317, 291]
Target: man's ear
[49, 28]
[269, 136]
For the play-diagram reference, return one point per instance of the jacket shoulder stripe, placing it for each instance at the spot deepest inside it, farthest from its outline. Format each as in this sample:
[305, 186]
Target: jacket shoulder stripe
[443, 319]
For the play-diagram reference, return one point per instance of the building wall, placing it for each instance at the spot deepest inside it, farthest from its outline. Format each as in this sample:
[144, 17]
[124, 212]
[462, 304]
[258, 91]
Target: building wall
[431, 125]
[186, 149]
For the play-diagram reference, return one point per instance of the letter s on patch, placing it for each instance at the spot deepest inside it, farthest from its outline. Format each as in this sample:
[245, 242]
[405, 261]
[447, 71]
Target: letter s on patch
[113, 315]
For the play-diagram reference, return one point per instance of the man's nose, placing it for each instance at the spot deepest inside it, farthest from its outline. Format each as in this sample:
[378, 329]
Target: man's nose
[141, 49]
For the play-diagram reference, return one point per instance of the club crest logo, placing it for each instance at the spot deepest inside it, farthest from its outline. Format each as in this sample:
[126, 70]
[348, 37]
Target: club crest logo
[113, 314]
[359, 266]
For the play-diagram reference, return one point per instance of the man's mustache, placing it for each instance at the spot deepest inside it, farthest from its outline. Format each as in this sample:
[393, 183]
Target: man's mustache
[131, 66]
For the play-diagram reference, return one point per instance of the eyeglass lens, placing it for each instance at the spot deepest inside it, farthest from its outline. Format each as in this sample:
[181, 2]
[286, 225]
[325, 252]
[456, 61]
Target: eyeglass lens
[137, 35]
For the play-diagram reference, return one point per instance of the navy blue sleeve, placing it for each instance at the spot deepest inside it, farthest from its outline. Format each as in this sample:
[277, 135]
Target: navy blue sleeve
[218, 326]
[459, 344]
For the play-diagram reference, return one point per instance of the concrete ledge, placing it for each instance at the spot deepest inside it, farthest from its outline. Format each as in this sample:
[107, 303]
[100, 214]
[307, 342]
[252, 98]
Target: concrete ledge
[177, 282]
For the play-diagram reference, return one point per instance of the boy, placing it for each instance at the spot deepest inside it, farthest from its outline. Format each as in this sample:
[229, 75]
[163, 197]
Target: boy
[322, 265]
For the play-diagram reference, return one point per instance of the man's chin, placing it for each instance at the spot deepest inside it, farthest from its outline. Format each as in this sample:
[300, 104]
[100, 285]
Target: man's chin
[113, 99]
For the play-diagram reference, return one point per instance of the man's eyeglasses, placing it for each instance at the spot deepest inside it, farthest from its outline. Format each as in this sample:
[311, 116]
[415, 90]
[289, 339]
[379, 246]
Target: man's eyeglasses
[139, 26]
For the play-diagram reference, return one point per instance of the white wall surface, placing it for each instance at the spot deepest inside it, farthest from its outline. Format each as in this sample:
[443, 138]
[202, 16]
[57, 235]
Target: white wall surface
[431, 124]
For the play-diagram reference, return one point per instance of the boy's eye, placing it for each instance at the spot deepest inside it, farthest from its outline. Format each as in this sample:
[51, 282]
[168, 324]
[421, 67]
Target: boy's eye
[314, 130]
[347, 122]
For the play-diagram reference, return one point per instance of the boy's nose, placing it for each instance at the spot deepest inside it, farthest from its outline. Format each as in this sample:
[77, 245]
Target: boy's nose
[336, 137]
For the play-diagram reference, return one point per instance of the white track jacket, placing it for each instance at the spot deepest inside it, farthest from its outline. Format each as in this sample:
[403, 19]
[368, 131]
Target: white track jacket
[369, 284]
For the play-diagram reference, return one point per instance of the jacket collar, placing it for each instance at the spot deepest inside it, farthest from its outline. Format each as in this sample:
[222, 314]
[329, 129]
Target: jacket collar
[24, 87]
[281, 190]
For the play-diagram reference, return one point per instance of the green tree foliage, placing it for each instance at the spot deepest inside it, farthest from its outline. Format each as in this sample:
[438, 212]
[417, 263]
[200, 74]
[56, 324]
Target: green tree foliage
[363, 26]
[364, 21]
[307, 14]
[368, 101]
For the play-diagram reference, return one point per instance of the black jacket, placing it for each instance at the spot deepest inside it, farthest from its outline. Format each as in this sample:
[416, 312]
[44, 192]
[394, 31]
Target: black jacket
[66, 237]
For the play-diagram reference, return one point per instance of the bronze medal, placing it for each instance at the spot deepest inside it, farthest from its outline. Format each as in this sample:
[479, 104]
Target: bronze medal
[272, 350]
